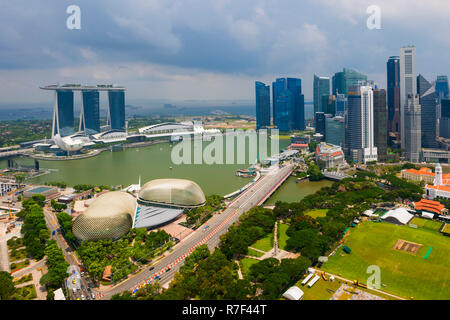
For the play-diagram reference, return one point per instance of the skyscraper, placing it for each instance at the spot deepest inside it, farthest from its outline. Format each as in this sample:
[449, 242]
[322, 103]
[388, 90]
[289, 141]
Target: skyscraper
[63, 119]
[117, 110]
[321, 87]
[413, 124]
[284, 101]
[342, 81]
[335, 131]
[444, 123]
[393, 93]
[90, 112]
[408, 83]
[298, 113]
[428, 103]
[288, 104]
[380, 123]
[359, 127]
[442, 90]
[262, 94]
[320, 123]
[341, 105]
[277, 86]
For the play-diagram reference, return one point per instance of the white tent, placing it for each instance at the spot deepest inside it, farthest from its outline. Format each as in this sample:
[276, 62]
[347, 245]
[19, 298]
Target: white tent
[59, 295]
[293, 293]
[368, 213]
[398, 216]
[427, 215]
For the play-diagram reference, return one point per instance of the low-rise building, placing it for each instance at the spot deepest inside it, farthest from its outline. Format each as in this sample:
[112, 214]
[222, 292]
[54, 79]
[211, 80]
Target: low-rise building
[332, 155]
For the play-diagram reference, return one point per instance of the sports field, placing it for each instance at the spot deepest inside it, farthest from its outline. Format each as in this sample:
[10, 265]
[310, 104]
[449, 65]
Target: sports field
[402, 273]
[427, 224]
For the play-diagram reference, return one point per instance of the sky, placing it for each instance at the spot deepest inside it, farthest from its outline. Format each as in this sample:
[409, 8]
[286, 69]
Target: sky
[210, 49]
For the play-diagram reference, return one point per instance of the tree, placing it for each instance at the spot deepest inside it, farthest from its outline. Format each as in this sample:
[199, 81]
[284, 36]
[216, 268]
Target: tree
[6, 285]
[314, 172]
[39, 199]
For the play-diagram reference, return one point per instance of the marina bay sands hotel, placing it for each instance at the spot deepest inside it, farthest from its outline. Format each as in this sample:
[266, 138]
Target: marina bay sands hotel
[63, 111]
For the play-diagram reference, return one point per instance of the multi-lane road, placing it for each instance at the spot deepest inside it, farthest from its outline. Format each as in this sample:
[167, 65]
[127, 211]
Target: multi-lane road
[85, 282]
[217, 226]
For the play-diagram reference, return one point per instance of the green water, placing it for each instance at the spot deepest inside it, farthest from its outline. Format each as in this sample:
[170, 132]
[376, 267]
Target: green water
[151, 162]
[291, 191]
[154, 162]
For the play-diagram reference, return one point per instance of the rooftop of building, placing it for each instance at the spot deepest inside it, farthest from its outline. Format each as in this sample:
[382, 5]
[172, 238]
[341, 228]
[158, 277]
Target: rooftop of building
[79, 87]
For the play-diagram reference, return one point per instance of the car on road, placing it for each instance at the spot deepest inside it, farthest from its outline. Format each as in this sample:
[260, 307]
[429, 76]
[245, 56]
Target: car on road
[93, 295]
[74, 290]
[156, 278]
[151, 268]
[82, 297]
[74, 281]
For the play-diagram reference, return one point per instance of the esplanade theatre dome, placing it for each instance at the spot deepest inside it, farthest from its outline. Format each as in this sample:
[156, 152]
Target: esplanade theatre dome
[172, 192]
[108, 217]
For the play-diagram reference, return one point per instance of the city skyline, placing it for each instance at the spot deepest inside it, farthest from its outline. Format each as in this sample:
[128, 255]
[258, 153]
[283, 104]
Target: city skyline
[183, 61]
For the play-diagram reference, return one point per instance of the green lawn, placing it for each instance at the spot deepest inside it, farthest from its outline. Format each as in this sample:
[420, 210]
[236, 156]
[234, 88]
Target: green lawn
[245, 264]
[264, 244]
[446, 228]
[25, 293]
[315, 213]
[254, 253]
[319, 289]
[20, 265]
[403, 274]
[282, 236]
[427, 224]
[15, 255]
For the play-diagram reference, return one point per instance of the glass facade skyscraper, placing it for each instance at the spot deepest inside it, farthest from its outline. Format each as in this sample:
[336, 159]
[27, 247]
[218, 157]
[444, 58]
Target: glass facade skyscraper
[277, 87]
[442, 90]
[341, 105]
[288, 104]
[380, 123]
[321, 87]
[335, 131]
[408, 83]
[262, 94]
[393, 93]
[90, 112]
[294, 85]
[117, 110]
[413, 130]
[444, 122]
[342, 81]
[285, 102]
[359, 126]
[428, 103]
[64, 124]
[320, 123]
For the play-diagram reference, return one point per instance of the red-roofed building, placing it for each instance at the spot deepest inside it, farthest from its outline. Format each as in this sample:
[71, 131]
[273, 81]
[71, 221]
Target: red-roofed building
[430, 206]
[331, 154]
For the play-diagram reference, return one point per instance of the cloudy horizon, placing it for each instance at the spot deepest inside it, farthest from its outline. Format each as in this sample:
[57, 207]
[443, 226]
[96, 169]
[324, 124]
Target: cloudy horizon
[210, 50]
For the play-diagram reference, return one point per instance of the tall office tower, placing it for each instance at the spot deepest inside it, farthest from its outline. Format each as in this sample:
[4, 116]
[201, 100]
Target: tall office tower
[298, 108]
[278, 86]
[444, 123]
[284, 101]
[442, 90]
[342, 81]
[393, 93]
[262, 95]
[63, 120]
[90, 112]
[341, 105]
[335, 131]
[329, 104]
[320, 123]
[116, 113]
[359, 127]
[380, 123]
[428, 103]
[413, 124]
[321, 87]
[408, 83]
